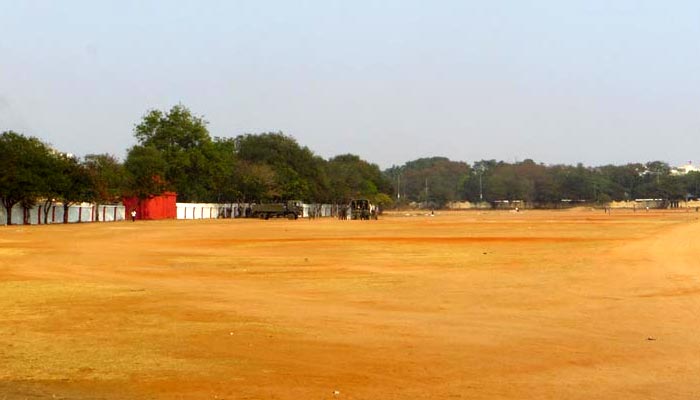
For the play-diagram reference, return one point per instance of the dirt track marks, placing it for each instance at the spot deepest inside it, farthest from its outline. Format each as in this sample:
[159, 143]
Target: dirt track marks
[410, 239]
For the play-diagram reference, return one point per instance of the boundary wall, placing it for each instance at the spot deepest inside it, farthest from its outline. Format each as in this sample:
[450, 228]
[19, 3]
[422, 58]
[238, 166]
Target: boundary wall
[88, 212]
[85, 212]
[207, 210]
[654, 203]
[319, 210]
[466, 205]
[237, 210]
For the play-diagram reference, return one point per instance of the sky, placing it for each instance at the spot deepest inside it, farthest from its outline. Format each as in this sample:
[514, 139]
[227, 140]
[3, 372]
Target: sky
[596, 82]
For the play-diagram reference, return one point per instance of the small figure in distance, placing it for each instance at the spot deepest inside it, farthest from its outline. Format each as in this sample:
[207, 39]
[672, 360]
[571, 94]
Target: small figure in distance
[133, 215]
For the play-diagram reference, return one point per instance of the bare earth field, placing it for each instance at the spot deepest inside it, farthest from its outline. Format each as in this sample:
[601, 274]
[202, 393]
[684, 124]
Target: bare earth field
[472, 305]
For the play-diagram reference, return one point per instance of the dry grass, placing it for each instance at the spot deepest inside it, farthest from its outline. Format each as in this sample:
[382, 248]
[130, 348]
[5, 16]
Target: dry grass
[460, 305]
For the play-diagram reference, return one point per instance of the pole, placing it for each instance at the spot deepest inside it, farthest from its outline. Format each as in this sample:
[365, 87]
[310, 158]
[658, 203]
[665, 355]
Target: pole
[481, 191]
[398, 187]
[426, 192]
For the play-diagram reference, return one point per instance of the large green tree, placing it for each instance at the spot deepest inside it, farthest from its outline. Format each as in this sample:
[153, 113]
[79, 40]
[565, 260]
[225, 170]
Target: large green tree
[75, 185]
[298, 173]
[435, 180]
[25, 171]
[226, 171]
[351, 177]
[108, 176]
[145, 168]
[184, 144]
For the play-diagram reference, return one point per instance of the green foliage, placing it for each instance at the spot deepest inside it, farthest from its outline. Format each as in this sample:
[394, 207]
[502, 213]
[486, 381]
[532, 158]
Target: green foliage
[175, 152]
[174, 131]
[691, 185]
[262, 167]
[258, 182]
[382, 200]
[108, 177]
[351, 177]
[186, 148]
[298, 173]
[76, 184]
[435, 181]
[226, 176]
[26, 169]
[145, 168]
[549, 186]
[508, 183]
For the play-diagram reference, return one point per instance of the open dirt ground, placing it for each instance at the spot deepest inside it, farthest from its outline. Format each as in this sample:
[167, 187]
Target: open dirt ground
[473, 305]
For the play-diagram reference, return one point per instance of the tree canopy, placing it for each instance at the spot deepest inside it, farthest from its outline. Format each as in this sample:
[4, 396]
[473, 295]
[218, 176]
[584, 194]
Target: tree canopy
[25, 163]
[539, 184]
[32, 172]
[175, 152]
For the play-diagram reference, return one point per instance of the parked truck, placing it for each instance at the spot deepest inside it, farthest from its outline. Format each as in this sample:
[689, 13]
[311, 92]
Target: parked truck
[291, 209]
[362, 209]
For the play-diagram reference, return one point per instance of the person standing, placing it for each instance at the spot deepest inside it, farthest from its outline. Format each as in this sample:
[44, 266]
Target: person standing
[133, 215]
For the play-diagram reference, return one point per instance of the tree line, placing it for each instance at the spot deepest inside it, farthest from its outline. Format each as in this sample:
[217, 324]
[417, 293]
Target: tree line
[175, 152]
[437, 181]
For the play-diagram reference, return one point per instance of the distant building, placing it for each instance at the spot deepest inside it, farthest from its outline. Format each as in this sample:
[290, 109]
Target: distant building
[684, 169]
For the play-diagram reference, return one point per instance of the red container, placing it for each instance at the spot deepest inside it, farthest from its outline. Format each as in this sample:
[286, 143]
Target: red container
[154, 207]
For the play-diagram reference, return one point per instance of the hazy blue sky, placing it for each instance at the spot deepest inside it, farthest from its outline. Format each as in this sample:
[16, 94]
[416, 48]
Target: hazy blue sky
[556, 81]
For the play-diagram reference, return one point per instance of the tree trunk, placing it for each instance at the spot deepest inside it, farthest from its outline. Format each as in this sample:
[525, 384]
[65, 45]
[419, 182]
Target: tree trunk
[8, 209]
[46, 210]
[66, 206]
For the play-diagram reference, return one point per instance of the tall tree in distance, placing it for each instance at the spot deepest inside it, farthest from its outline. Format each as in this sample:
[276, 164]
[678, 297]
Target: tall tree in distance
[25, 170]
[108, 176]
[176, 130]
[184, 144]
[75, 186]
[351, 177]
[226, 171]
[145, 168]
[298, 173]
[435, 180]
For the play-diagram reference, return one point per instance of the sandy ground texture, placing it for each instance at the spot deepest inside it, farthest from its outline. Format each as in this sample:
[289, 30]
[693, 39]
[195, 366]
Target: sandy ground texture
[472, 305]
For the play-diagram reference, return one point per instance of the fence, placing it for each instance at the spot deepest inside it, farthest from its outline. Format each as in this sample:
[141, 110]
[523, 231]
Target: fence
[84, 212]
[87, 212]
[237, 210]
[320, 210]
[207, 210]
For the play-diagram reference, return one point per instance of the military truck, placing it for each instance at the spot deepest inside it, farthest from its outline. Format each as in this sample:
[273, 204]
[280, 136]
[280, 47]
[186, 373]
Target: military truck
[362, 209]
[292, 209]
